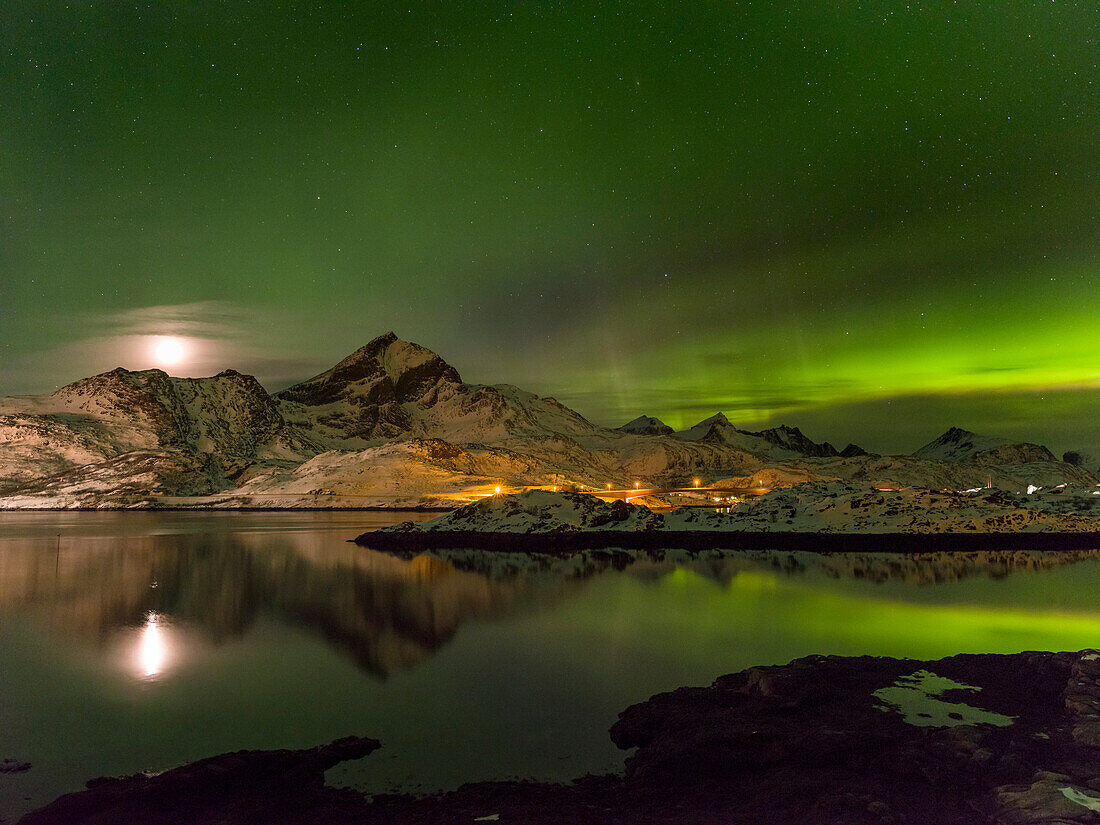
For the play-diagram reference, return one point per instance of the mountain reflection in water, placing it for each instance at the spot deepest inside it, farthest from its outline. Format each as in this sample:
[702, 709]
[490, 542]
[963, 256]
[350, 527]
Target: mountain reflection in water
[140, 641]
[384, 612]
[387, 613]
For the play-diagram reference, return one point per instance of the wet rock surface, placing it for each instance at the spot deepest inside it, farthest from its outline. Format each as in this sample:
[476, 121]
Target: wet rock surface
[824, 739]
[830, 731]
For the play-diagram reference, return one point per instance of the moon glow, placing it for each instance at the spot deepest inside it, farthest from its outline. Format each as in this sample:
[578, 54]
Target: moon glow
[169, 351]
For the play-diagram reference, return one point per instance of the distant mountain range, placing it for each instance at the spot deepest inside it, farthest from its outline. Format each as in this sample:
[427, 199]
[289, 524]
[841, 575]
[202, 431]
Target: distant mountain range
[393, 424]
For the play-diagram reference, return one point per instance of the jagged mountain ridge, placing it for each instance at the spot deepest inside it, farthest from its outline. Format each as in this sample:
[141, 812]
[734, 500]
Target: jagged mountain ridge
[718, 430]
[96, 427]
[135, 438]
[229, 415]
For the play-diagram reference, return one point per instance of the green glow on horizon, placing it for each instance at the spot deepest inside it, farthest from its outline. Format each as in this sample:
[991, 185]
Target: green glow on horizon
[947, 345]
[781, 617]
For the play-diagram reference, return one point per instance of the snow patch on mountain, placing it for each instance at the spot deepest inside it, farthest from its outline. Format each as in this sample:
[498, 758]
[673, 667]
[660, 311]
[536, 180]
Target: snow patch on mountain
[837, 507]
[540, 511]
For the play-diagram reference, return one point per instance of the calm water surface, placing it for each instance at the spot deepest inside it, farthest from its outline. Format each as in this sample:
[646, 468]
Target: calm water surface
[138, 641]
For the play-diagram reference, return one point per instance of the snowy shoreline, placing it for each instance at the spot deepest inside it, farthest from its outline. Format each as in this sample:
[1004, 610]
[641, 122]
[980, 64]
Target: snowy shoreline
[830, 517]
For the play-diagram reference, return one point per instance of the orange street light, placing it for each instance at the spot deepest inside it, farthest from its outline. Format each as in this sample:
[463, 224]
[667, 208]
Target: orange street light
[637, 484]
[498, 491]
[608, 486]
[695, 482]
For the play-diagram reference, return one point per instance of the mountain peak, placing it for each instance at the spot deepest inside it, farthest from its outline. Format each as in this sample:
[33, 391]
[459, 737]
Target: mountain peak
[957, 444]
[717, 418]
[365, 360]
[386, 369]
[708, 428]
[792, 438]
[646, 425]
[962, 446]
[853, 451]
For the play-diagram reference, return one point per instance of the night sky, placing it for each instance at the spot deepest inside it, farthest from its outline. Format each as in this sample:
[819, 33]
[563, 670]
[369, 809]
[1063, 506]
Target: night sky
[873, 220]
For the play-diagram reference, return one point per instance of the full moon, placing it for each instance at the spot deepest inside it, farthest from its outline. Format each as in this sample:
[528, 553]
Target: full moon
[169, 351]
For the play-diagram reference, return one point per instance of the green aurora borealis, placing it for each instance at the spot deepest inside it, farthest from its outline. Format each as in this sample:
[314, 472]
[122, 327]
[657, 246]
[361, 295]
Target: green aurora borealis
[872, 220]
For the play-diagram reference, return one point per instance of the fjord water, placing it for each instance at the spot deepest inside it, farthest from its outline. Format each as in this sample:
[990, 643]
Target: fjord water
[139, 641]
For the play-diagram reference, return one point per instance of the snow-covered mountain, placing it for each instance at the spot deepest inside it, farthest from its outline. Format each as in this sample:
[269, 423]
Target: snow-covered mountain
[956, 445]
[646, 425]
[776, 442]
[393, 424]
[199, 432]
[395, 389]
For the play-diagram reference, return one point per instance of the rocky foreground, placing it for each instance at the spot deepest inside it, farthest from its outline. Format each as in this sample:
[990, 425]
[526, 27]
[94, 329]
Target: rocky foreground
[1012, 739]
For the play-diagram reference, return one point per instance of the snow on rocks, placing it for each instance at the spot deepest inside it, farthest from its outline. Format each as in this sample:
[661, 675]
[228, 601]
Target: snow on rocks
[816, 507]
[838, 507]
[540, 511]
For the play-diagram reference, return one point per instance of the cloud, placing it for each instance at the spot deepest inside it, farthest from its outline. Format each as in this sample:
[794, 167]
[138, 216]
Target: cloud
[200, 319]
[216, 335]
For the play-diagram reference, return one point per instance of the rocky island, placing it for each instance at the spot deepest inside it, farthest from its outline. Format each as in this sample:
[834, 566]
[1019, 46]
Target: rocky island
[823, 516]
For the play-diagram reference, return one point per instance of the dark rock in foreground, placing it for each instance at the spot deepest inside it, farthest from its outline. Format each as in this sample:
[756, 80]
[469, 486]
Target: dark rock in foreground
[281, 786]
[973, 739]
